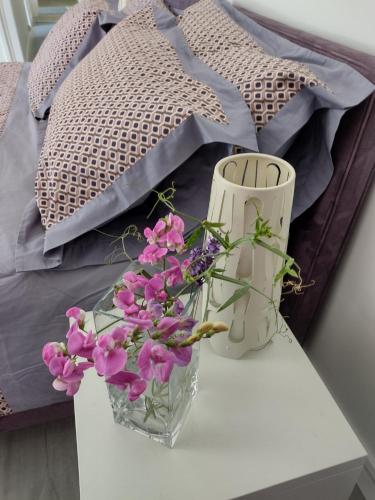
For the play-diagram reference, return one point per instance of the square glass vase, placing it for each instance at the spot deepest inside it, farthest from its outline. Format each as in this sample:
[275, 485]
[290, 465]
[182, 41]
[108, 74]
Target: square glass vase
[159, 413]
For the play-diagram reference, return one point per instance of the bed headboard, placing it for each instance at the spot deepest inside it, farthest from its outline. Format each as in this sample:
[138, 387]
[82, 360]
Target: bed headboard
[318, 237]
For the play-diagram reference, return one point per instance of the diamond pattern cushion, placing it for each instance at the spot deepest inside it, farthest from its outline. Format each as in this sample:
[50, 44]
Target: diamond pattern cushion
[9, 74]
[266, 82]
[58, 49]
[129, 94]
[134, 6]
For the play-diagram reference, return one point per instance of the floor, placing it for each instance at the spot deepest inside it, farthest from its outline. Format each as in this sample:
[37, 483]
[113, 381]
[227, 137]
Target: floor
[40, 463]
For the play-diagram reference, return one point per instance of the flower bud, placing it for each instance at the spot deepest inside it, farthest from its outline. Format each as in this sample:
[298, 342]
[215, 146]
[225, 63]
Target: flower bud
[205, 327]
[219, 326]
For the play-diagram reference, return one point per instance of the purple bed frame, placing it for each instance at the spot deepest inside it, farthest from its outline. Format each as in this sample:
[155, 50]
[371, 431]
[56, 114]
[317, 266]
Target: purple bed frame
[319, 236]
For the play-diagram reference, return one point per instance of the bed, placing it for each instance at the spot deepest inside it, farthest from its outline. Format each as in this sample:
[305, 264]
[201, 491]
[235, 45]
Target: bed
[37, 285]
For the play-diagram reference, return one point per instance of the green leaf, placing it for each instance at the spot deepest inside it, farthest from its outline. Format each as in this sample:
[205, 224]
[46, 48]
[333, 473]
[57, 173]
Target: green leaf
[240, 292]
[195, 235]
[213, 224]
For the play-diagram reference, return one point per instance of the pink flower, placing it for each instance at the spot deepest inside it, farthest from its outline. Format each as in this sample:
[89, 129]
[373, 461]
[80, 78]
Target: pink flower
[174, 241]
[68, 374]
[77, 314]
[109, 355]
[174, 274]
[167, 233]
[152, 254]
[175, 222]
[187, 324]
[182, 355]
[153, 235]
[154, 360]
[79, 343]
[142, 323]
[124, 299]
[129, 381]
[154, 309]
[133, 281]
[52, 350]
[168, 326]
[154, 289]
[178, 307]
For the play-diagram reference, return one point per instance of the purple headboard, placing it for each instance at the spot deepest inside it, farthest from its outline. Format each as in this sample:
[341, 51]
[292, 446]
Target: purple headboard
[318, 237]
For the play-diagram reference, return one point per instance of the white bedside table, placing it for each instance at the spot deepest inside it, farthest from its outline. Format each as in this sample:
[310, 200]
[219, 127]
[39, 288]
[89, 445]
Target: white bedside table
[261, 428]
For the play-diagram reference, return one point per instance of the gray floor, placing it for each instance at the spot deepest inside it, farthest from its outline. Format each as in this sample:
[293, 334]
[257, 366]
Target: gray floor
[40, 463]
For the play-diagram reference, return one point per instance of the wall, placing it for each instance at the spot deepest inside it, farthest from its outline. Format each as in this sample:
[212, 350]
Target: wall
[344, 21]
[343, 348]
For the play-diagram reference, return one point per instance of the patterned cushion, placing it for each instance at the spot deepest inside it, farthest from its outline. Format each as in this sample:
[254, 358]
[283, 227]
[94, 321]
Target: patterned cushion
[5, 409]
[266, 82]
[9, 74]
[134, 6]
[124, 98]
[59, 47]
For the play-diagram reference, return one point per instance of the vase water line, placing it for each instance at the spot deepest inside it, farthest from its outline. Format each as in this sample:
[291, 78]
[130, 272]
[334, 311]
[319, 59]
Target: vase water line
[244, 186]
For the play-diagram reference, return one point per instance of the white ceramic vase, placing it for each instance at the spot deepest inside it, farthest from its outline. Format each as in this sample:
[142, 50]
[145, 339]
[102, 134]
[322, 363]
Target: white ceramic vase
[243, 184]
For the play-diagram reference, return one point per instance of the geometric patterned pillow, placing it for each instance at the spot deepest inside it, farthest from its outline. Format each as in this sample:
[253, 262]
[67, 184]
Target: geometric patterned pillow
[266, 83]
[133, 6]
[112, 111]
[58, 49]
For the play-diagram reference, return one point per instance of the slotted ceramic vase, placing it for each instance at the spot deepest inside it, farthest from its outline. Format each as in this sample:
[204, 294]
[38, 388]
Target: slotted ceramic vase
[243, 184]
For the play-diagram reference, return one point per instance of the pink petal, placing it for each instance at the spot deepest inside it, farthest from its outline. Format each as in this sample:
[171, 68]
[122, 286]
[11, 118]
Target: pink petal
[72, 388]
[56, 365]
[109, 362]
[59, 385]
[137, 388]
[144, 361]
[162, 371]
[182, 355]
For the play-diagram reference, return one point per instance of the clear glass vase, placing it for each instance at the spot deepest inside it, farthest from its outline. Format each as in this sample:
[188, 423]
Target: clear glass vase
[159, 413]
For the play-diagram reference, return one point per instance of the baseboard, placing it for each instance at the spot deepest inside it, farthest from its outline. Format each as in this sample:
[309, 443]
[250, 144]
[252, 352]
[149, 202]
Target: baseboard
[366, 481]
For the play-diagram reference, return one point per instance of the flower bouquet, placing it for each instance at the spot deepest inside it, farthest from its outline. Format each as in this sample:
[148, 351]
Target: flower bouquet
[147, 332]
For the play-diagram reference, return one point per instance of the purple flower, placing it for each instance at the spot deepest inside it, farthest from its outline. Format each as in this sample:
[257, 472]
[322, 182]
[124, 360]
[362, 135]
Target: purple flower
[212, 245]
[155, 361]
[129, 381]
[152, 254]
[109, 355]
[200, 262]
[79, 343]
